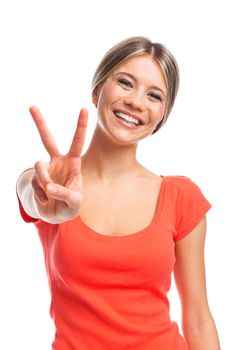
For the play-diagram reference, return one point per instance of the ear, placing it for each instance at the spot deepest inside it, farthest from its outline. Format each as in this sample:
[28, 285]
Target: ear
[95, 96]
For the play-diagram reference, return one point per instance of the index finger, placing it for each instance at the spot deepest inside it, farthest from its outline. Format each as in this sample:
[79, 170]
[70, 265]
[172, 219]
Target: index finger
[79, 136]
[44, 132]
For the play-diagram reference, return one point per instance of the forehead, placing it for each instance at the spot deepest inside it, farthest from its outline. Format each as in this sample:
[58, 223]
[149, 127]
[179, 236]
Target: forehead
[145, 69]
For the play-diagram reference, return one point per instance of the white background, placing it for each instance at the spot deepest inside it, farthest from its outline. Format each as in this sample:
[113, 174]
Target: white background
[49, 51]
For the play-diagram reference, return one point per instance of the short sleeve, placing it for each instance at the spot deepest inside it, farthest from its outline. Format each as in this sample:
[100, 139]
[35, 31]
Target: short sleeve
[191, 207]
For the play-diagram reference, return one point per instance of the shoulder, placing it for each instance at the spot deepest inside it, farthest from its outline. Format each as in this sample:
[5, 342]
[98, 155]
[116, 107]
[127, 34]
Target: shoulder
[180, 180]
[180, 185]
[184, 189]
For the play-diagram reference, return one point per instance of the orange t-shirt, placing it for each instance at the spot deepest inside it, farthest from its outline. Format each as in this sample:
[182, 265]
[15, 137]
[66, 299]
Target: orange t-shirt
[110, 292]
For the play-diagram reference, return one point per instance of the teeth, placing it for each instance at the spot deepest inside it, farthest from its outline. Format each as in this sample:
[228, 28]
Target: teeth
[128, 118]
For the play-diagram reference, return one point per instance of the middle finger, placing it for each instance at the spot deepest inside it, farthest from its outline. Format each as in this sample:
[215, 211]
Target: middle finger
[79, 136]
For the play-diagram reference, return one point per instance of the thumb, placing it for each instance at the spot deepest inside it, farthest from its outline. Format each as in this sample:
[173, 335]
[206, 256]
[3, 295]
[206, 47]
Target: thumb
[72, 198]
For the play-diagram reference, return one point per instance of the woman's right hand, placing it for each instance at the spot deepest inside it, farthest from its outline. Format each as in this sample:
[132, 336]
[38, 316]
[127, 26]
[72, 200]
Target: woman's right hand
[57, 185]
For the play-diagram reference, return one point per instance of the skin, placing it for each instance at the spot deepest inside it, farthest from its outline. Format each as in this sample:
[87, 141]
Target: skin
[56, 187]
[111, 159]
[112, 152]
[111, 156]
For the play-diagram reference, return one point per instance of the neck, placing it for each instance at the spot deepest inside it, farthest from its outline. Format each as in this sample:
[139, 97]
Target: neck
[108, 160]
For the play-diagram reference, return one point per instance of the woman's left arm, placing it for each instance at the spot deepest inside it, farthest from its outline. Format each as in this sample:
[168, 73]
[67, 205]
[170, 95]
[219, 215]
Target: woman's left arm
[189, 272]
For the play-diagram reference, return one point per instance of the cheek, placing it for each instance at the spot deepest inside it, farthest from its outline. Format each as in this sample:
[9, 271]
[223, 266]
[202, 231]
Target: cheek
[105, 89]
[108, 88]
[108, 95]
[105, 94]
[159, 112]
[163, 110]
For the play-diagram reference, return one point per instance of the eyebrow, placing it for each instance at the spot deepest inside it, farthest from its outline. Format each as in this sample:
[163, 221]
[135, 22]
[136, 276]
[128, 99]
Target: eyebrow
[132, 77]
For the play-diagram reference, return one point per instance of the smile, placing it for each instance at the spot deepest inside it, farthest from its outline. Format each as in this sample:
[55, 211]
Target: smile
[123, 120]
[127, 118]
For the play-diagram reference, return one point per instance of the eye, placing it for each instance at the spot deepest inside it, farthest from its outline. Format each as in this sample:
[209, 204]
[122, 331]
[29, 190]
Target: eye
[155, 96]
[125, 82]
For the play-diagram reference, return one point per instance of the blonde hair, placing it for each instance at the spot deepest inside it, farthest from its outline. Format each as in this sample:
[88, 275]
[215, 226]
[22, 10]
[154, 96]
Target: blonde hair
[135, 46]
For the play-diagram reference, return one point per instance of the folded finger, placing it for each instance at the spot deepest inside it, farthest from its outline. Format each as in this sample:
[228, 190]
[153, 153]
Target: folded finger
[42, 173]
[39, 192]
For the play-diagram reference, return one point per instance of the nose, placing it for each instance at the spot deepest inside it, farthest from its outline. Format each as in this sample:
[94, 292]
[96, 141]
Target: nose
[135, 101]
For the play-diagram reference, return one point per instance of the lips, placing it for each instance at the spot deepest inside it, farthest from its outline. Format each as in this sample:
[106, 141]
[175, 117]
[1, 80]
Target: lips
[130, 115]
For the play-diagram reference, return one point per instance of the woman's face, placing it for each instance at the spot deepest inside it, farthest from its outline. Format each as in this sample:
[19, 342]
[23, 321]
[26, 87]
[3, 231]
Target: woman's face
[135, 90]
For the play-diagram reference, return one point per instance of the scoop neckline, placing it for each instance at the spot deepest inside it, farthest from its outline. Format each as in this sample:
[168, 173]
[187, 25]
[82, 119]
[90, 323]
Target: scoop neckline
[155, 219]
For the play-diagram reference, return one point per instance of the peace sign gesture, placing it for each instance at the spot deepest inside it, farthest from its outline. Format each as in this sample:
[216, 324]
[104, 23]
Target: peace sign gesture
[57, 185]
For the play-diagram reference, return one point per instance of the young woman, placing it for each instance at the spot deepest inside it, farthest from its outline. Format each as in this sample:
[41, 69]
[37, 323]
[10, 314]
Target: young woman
[112, 231]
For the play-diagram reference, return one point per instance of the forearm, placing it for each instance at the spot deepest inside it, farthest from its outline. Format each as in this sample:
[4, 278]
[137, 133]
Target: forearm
[203, 336]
